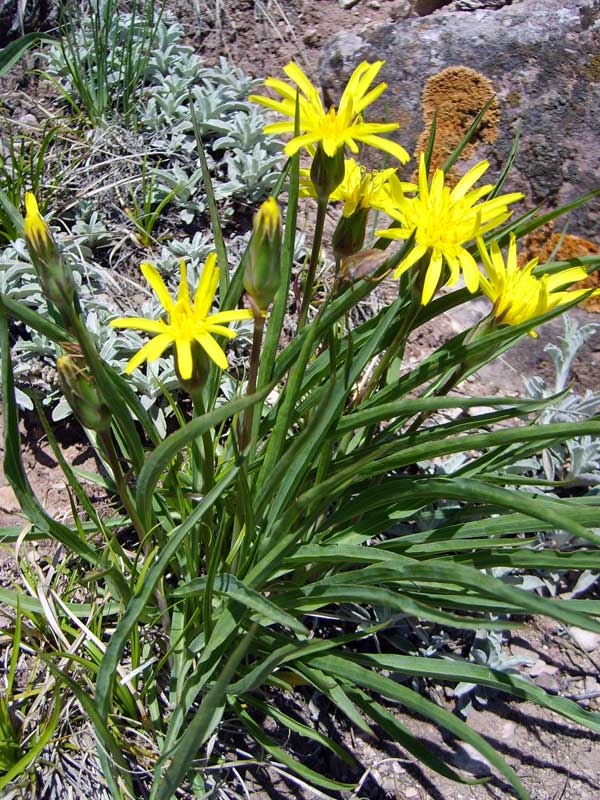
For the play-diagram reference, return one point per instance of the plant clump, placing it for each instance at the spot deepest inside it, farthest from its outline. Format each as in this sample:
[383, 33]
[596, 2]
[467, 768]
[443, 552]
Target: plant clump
[320, 519]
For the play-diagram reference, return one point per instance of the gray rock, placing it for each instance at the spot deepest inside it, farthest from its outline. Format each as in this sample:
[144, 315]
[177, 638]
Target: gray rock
[587, 640]
[544, 64]
[476, 5]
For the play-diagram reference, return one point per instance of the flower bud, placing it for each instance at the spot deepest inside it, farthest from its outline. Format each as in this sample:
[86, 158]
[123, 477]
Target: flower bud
[82, 395]
[56, 280]
[349, 235]
[262, 274]
[327, 172]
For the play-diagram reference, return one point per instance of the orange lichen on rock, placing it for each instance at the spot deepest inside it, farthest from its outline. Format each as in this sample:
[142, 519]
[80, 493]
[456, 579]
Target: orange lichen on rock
[455, 96]
[546, 245]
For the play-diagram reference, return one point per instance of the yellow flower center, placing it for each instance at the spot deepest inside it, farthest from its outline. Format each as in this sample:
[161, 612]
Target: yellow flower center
[440, 222]
[183, 322]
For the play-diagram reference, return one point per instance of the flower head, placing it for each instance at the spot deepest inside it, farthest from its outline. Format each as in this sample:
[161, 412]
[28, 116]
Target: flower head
[186, 322]
[359, 189]
[54, 275]
[443, 221]
[334, 128]
[81, 392]
[262, 274]
[517, 294]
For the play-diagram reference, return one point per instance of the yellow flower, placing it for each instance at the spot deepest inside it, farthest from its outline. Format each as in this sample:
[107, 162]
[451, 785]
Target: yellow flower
[187, 322]
[517, 294]
[444, 220]
[333, 128]
[359, 189]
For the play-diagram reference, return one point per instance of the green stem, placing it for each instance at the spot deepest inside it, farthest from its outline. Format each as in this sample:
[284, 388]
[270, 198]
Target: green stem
[395, 348]
[259, 326]
[203, 461]
[203, 479]
[125, 495]
[314, 260]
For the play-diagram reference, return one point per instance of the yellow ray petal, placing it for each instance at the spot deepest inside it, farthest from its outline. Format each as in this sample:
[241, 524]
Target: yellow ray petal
[470, 270]
[387, 146]
[566, 277]
[230, 316]
[295, 74]
[220, 330]
[158, 285]
[150, 351]
[468, 180]
[184, 358]
[140, 324]
[207, 285]
[415, 254]
[212, 349]
[183, 295]
[432, 277]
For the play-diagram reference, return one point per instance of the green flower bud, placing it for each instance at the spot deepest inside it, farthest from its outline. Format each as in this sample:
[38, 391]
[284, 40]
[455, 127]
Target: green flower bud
[349, 235]
[200, 369]
[262, 274]
[56, 280]
[327, 172]
[82, 394]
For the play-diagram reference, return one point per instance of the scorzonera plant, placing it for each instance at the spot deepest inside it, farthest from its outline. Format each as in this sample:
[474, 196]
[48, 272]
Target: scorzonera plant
[242, 538]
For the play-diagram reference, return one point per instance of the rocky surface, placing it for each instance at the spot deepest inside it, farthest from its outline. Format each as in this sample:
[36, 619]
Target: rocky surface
[543, 61]
[17, 17]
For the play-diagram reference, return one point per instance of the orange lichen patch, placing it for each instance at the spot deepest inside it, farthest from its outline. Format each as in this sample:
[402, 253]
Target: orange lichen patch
[543, 244]
[457, 95]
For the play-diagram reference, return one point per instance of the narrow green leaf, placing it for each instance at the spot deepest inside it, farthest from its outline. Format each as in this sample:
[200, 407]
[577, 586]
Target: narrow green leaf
[313, 778]
[137, 605]
[357, 675]
[230, 586]
[392, 725]
[13, 464]
[323, 593]
[455, 155]
[415, 575]
[15, 50]
[407, 407]
[35, 321]
[294, 725]
[204, 721]
[45, 731]
[215, 221]
[177, 441]
[456, 671]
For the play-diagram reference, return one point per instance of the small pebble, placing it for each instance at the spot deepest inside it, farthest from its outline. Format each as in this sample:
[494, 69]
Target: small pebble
[311, 37]
[28, 120]
[470, 759]
[548, 682]
[542, 668]
[587, 640]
